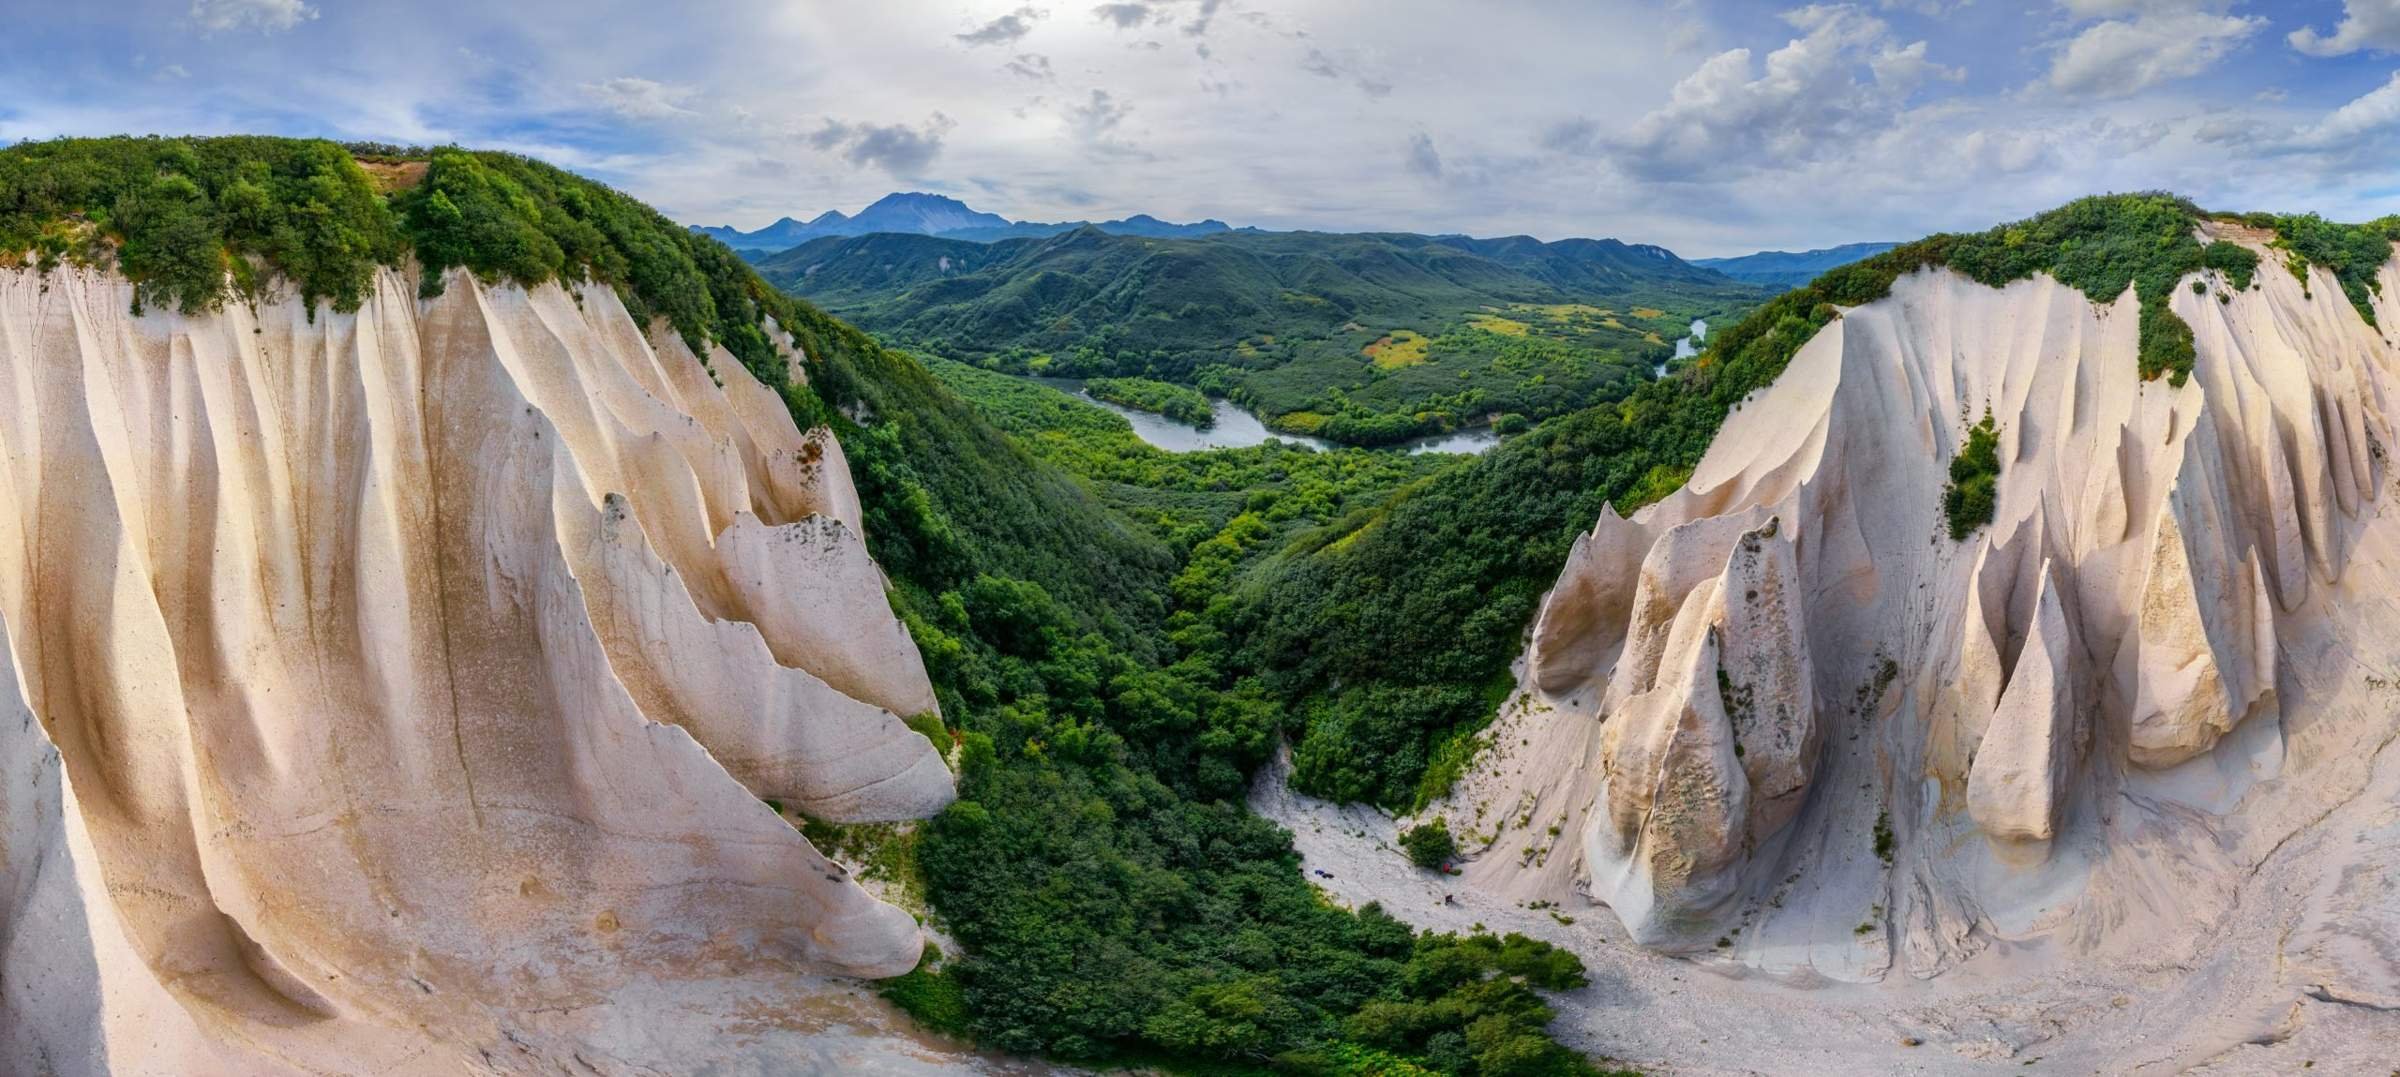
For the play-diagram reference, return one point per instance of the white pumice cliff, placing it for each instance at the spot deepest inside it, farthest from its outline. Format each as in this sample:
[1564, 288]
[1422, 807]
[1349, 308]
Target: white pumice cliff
[1782, 722]
[398, 691]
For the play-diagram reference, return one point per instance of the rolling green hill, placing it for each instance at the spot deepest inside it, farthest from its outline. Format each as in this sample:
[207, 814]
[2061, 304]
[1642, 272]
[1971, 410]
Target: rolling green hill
[1365, 339]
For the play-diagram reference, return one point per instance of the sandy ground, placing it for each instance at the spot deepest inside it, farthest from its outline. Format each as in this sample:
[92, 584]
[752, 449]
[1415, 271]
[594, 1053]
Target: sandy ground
[1669, 1015]
[811, 1026]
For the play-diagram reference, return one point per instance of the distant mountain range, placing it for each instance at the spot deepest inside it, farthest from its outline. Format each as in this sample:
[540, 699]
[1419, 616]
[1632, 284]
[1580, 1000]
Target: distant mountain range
[1791, 269]
[1363, 338]
[1100, 278]
[940, 215]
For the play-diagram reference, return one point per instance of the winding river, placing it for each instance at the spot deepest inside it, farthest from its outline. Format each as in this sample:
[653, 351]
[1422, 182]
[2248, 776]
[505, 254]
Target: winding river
[1236, 428]
[1687, 347]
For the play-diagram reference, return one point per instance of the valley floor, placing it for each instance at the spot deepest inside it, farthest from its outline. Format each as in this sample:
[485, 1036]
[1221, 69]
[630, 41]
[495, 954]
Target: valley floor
[818, 1025]
[2249, 1005]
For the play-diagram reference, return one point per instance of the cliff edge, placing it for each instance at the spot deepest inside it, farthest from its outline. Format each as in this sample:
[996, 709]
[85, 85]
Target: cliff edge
[398, 690]
[1782, 717]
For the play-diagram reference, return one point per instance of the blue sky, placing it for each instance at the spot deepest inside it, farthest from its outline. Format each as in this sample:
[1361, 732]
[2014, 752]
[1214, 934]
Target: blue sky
[1712, 126]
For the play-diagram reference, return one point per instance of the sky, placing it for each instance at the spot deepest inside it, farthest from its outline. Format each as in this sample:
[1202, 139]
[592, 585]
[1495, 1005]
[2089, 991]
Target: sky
[1713, 127]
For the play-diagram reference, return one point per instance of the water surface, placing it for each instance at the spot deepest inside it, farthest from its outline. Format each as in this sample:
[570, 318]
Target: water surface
[1236, 428]
[1471, 441]
[1688, 346]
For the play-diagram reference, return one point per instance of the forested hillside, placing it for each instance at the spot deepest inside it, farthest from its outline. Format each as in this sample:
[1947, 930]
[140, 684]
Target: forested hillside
[1390, 634]
[1362, 339]
[1114, 897]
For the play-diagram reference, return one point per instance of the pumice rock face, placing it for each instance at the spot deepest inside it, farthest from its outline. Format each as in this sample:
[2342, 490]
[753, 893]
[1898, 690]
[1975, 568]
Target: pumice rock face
[386, 689]
[1793, 723]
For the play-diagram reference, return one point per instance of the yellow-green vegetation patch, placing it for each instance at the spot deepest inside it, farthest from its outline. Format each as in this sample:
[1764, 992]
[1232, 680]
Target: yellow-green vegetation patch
[1351, 539]
[1653, 338]
[1612, 323]
[1648, 312]
[1298, 422]
[393, 174]
[1559, 312]
[1493, 323]
[1244, 349]
[1306, 300]
[1399, 348]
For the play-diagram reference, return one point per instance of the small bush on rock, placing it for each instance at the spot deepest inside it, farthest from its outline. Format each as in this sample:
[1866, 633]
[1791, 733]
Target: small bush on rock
[1429, 845]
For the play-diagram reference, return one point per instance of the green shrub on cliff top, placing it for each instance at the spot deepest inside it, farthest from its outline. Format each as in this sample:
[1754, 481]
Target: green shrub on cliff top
[2353, 253]
[198, 222]
[190, 220]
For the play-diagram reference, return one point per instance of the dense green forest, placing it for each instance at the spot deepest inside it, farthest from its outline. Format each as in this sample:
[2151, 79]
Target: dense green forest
[1359, 339]
[1115, 898]
[1246, 499]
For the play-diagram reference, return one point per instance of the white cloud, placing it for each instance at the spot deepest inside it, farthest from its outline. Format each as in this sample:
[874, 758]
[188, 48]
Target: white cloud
[640, 99]
[1094, 123]
[1320, 64]
[903, 152]
[2110, 9]
[1005, 29]
[2157, 45]
[1125, 16]
[1206, 12]
[1098, 116]
[1031, 65]
[2374, 113]
[1999, 152]
[2366, 24]
[1845, 79]
[1422, 158]
[1905, 67]
[2352, 143]
[265, 16]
